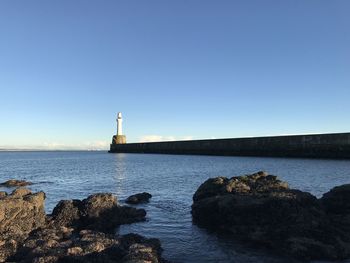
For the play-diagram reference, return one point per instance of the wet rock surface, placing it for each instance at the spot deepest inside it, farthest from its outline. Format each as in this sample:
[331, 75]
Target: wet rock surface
[138, 198]
[15, 183]
[20, 213]
[77, 230]
[262, 210]
[65, 245]
[99, 212]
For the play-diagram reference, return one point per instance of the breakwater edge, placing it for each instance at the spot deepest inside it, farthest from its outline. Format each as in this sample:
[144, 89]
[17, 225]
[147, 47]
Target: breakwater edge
[333, 146]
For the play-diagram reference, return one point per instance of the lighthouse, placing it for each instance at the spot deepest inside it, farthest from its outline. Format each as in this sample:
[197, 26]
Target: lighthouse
[119, 138]
[119, 124]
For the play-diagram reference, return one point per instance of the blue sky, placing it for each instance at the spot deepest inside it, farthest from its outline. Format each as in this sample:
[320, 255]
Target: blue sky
[176, 69]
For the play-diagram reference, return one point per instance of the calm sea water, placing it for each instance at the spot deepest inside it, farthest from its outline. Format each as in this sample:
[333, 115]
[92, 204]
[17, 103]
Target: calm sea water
[172, 180]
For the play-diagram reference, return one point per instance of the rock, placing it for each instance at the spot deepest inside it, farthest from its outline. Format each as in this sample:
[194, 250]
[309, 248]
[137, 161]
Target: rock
[140, 249]
[99, 212]
[48, 245]
[138, 198]
[211, 187]
[97, 204]
[74, 251]
[20, 213]
[8, 248]
[15, 183]
[21, 192]
[337, 200]
[256, 183]
[67, 212]
[77, 231]
[261, 209]
[336, 204]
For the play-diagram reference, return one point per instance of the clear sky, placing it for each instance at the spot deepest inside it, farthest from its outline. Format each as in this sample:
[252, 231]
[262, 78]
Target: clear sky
[176, 69]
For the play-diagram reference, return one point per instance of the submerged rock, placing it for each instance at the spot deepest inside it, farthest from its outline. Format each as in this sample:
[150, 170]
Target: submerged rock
[138, 198]
[261, 209]
[15, 183]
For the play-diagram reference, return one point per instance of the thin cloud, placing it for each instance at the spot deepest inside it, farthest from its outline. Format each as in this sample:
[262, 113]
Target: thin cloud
[52, 146]
[160, 138]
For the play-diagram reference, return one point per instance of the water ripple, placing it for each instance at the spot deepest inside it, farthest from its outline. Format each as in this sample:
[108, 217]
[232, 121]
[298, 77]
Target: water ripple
[172, 180]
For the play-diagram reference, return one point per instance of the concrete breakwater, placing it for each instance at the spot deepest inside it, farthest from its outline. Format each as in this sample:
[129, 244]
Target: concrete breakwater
[335, 146]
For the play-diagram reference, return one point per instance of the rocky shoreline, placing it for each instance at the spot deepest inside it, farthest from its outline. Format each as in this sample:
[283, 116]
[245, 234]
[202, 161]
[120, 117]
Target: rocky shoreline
[258, 209]
[76, 231]
[262, 210]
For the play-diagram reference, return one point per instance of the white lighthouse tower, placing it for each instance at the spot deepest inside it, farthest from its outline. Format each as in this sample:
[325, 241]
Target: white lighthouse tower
[119, 124]
[119, 138]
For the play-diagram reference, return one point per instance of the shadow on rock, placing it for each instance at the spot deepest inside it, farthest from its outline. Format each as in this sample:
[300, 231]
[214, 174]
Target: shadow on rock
[62, 245]
[264, 211]
[138, 198]
[77, 230]
[15, 183]
[99, 212]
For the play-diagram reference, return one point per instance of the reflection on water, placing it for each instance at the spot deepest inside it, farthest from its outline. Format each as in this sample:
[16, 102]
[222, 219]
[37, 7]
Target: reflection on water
[172, 180]
[120, 173]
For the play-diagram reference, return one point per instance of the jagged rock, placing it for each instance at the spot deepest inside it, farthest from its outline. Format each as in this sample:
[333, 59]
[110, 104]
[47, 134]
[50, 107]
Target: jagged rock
[15, 183]
[67, 212]
[20, 192]
[140, 249]
[53, 245]
[99, 212]
[28, 235]
[336, 203]
[261, 209]
[96, 204]
[337, 200]
[138, 198]
[20, 213]
[256, 183]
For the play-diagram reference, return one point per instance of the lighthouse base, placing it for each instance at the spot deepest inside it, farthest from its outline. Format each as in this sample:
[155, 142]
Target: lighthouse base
[119, 139]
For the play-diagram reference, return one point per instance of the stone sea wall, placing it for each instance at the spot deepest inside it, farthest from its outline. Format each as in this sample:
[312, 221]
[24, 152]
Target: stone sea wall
[336, 146]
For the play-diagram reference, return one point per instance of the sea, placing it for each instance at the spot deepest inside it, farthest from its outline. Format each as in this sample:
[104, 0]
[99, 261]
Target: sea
[172, 180]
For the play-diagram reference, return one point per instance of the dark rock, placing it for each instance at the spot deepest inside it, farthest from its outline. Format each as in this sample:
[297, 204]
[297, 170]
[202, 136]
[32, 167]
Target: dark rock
[20, 213]
[138, 198]
[139, 248]
[53, 245]
[20, 192]
[96, 204]
[67, 212]
[337, 200]
[100, 212]
[15, 183]
[256, 183]
[72, 232]
[336, 203]
[261, 209]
